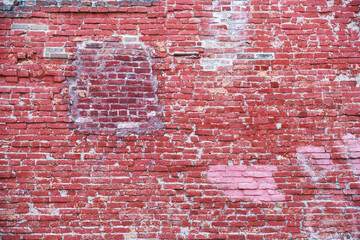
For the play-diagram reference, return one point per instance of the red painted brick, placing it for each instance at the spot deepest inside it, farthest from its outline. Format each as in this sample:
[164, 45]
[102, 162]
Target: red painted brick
[198, 119]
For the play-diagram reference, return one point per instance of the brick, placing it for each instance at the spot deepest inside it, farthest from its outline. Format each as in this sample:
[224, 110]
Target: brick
[20, 26]
[179, 119]
[38, 27]
[252, 185]
[59, 56]
[255, 56]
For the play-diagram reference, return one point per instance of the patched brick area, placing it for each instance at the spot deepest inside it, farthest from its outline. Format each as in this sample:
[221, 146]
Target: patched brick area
[114, 89]
[179, 119]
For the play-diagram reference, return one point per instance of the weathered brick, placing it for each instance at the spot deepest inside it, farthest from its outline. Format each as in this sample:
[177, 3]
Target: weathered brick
[179, 119]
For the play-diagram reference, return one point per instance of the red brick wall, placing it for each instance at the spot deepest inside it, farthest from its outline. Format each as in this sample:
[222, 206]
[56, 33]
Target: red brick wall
[180, 119]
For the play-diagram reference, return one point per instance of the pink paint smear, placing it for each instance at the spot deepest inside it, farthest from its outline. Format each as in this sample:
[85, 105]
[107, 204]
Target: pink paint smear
[255, 183]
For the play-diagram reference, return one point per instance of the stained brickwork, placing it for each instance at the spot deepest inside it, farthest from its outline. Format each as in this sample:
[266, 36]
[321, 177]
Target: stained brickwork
[179, 119]
[113, 89]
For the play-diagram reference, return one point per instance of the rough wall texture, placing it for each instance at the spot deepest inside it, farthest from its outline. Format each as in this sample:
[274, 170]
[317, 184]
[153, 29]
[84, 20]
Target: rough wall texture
[180, 119]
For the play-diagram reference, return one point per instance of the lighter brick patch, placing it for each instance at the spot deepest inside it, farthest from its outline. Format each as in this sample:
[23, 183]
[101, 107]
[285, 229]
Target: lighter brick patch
[353, 150]
[255, 183]
[347, 77]
[46, 209]
[8, 2]
[30, 27]
[49, 52]
[128, 125]
[226, 46]
[256, 56]
[310, 158]
[317, 160]
[130, 39]
[83, 120]
[319, 165]
[55, 53]
[353, 26]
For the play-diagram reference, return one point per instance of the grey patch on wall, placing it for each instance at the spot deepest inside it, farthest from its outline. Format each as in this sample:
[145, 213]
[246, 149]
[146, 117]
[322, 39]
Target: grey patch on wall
[55, 53]
[29, 27]
[256, 56]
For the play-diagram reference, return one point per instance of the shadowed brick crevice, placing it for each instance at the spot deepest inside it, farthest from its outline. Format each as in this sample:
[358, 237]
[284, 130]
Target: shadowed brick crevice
[114, 89]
